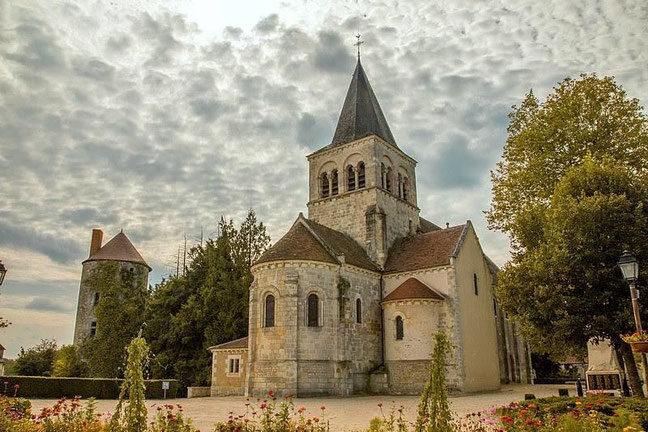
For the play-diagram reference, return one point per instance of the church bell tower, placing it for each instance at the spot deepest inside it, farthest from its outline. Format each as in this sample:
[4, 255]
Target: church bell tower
[363, 184]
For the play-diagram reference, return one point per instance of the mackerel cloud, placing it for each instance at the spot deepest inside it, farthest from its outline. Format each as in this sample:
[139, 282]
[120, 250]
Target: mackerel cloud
[145, 119]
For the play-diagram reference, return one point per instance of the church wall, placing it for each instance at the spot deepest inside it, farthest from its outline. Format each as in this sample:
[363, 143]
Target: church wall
[224, 383]
[292, 358]
[441, 279]
[421, 320]
[360, 343]
[478, 330]
[85, 304]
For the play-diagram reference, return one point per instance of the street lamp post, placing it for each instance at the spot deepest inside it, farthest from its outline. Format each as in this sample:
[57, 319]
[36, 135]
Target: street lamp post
[630, 269]
[3, 272]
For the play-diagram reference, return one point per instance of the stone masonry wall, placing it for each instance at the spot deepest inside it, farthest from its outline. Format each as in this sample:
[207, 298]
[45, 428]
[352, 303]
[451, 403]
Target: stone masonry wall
[346, 211]
[85, 305]
[285, 357]
[223, 382]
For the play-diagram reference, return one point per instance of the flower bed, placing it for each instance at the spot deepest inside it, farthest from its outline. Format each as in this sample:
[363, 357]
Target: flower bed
[592, 413]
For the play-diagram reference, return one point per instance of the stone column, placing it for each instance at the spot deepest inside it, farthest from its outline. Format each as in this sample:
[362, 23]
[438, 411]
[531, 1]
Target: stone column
[291, 319]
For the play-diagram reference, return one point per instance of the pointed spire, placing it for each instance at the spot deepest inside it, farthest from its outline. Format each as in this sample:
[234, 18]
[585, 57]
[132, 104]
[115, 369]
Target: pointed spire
[361, 115]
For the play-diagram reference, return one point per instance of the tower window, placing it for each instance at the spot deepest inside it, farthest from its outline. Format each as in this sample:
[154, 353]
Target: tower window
[476, 286]
[93, 328]
[399, 186]
[495, 306]
[361, 175]
[269, 318]
[388, 180]
[95, 301]
[405, 189]
[334, 183]
[399, 328]
[350, 178]
[325, 185]
[383, 176]
[359, 311]
[313, 311]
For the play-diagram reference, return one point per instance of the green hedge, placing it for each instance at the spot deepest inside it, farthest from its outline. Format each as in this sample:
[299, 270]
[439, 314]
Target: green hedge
[100, 388]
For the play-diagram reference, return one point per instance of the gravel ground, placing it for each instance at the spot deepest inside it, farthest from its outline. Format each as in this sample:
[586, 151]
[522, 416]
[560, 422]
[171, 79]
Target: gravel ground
[344, 414]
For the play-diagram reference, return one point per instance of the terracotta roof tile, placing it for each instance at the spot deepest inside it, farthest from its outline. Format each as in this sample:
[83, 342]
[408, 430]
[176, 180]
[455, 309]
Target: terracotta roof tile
[427, 226]
[342, 244]
[412, 288]
[235, 344]
[119, 248]
[424, 250]
[300, 244]
[297, 244]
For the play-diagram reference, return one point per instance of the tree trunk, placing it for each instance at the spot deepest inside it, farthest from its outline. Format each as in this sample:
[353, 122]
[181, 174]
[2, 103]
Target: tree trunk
[631, 368]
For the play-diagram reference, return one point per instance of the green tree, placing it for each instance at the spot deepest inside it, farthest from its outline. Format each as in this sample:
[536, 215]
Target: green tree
[36, 361]
[119, 317]
[131, 417]
[207, 306]
[67, 363]
[589, 116]
[434, 413]
[569, 193]
[568, 289]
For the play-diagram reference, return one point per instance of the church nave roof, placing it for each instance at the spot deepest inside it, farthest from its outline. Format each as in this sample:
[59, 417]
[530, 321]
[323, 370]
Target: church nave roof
[424, 250]
[309, 241]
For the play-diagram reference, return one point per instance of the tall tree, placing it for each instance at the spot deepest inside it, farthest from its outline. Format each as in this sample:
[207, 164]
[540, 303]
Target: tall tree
[207, 306]
[589, 116]
[570, 193]
[36, 361]
[119, 316]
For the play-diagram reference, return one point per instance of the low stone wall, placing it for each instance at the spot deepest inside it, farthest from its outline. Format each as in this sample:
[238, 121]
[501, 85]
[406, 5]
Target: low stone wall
[196, 392]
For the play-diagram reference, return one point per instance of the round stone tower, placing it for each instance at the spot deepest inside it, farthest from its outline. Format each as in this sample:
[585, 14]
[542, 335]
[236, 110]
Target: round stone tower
[119, 250]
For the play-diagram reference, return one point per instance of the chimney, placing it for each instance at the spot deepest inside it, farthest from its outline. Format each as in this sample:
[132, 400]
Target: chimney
[95, 244]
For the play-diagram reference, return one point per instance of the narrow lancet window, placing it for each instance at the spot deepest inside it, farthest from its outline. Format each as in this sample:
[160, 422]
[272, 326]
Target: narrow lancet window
[406, 189]
[388, 180]
[359, 311]
[399, 328]
[325, 185]
[269, 311]
[313, 310]
[350, 178]
[361, 175]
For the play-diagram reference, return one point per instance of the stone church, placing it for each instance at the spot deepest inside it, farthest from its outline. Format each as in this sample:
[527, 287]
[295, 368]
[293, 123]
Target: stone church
[348, 300]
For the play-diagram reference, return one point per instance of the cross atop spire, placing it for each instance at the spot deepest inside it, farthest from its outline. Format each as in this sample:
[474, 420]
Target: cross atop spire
[358, 43]
[361, 115]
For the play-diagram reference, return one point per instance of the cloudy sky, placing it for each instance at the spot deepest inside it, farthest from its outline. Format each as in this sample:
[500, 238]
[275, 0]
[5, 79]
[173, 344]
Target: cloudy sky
[159, 117]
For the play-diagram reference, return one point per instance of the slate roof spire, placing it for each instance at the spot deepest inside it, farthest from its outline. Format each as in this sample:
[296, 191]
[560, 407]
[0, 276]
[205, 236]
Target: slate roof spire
[361, 115]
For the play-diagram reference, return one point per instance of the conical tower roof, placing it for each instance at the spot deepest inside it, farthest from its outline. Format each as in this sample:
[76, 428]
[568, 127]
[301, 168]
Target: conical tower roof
[361, 114]
[119, 248]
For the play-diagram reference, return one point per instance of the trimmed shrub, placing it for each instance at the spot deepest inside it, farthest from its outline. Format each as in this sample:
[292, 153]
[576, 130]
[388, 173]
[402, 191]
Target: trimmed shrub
[99, 388]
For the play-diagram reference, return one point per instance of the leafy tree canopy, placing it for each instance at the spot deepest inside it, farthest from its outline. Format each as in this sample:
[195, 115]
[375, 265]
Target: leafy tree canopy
[67, 363]
[207, 306]
[571, 191]
[36, 361]
[588, 116]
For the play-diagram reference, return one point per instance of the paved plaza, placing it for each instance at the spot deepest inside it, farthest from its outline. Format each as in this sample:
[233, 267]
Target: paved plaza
[344, 414]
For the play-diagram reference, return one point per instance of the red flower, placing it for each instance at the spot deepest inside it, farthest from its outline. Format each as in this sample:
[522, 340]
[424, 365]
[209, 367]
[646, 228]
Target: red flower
[507, 419]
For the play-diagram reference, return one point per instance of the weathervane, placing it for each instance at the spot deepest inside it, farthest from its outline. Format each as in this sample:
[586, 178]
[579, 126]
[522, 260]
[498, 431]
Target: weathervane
[358, 43]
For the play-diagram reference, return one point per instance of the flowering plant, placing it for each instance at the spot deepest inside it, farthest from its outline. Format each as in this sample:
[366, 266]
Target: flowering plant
[635, 337]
